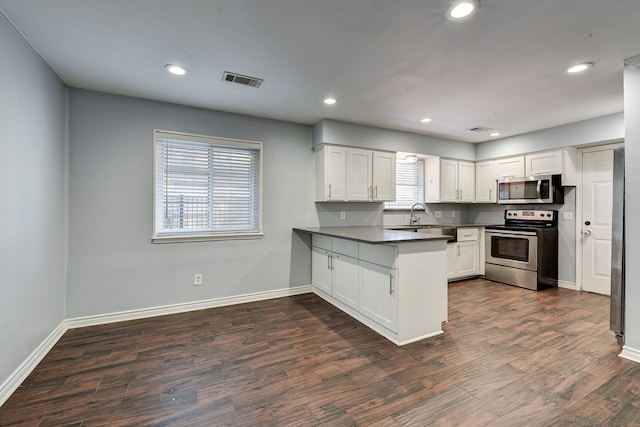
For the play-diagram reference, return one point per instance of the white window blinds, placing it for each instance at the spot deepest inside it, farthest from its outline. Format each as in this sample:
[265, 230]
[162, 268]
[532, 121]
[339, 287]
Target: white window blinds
[205, 186]
[409, 185]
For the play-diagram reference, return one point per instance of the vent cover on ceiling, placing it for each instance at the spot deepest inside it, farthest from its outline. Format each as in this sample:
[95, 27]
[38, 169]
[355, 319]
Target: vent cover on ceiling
[479, 129]
[633, 62]
[242, 80]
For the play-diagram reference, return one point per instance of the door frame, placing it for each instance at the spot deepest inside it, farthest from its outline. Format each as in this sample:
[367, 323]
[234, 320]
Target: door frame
[579, 198]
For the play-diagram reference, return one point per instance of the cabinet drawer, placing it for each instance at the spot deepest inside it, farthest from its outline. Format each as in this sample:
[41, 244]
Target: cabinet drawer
[378, 254]
[467, 234]
[345, 247]
[320, 241]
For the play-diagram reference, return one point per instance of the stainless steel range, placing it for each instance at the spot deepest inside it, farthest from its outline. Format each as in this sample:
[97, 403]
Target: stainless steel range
[524, 251]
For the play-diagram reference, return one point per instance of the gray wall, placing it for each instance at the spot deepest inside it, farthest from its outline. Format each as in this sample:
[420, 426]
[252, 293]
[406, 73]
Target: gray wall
[336, 132]
[632, 205]
[113, 265]
[32, 190]
[595, 131]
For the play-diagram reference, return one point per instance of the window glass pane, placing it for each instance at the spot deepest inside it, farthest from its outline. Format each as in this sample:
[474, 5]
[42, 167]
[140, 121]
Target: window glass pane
[206, 187]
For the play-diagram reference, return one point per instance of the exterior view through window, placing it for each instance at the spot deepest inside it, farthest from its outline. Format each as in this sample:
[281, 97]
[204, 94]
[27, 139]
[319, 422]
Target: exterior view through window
[409, 184]
[206, 187]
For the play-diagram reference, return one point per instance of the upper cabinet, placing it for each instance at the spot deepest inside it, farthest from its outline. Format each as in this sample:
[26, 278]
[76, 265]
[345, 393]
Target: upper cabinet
[510, 167]
[449, 181]
[486, 183]
[345, 174]
[557, 162]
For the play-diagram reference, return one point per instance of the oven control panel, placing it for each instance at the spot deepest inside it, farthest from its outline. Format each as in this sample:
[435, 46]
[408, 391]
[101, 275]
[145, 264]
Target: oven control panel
[530, 215]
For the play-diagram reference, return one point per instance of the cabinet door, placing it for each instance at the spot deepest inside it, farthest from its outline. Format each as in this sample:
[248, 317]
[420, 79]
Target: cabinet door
[486, 184]
[448, 180]
[346, 280]
[359, 174]
[544, 163]
[466, 181]
[467, 258]
[336, 166]
[321, 269]
[510, 168]
[378, 297]
[384, 176]
[451, 259]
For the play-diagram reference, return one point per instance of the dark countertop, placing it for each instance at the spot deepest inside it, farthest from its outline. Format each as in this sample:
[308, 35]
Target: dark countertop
[413, 227]
[372, 234]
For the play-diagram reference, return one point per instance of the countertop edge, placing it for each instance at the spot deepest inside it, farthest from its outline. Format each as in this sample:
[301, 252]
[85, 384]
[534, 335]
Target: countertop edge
[351, 233]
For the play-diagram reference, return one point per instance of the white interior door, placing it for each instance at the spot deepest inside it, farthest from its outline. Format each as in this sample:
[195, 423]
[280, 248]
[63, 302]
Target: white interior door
[597, 181]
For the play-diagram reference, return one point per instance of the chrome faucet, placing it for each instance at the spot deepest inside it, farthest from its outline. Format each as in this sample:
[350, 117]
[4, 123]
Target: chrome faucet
[414, 219]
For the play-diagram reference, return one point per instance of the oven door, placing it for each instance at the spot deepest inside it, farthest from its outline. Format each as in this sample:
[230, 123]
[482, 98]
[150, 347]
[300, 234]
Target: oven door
[511, 248]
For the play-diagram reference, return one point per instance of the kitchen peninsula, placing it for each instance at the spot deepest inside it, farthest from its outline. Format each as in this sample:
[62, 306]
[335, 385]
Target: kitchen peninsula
[393, 281]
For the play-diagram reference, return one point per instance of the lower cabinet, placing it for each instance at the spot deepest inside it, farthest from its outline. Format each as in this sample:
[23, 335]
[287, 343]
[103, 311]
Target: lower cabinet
[378, 295]
[463, 256]
[399, 291]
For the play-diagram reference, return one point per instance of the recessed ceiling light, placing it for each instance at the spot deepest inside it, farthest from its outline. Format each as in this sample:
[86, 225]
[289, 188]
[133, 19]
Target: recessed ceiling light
[494, 134]
[330, 101]
[178, 70]
[579, 67]
[462, 9]
[426, 120]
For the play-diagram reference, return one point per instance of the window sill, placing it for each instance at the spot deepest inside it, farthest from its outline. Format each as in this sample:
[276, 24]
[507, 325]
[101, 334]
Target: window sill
[206, 237]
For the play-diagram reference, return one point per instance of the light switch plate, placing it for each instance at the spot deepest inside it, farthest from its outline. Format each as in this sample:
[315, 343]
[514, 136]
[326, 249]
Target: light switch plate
[437, 214]
[567, 216]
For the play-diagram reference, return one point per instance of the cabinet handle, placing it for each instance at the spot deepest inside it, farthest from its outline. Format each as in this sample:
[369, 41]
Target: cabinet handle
[328, 262]
[329, 191]
[375, 193]
[458, 250]
[390, 284]
[489, 194]
[460, 194]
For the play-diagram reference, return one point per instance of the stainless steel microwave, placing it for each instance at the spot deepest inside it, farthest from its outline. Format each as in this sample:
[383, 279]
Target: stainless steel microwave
[530, 189]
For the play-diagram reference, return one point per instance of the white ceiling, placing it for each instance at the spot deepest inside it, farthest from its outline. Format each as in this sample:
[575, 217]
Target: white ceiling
[389, 63]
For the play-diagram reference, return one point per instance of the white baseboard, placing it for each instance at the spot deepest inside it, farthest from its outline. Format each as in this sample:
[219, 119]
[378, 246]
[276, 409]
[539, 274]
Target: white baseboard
[20, 374]
[630, 354]
[102, 319]
[567, 285]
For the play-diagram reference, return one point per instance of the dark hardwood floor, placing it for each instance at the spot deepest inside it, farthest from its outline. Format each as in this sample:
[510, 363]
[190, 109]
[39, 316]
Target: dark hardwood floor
[509, 357]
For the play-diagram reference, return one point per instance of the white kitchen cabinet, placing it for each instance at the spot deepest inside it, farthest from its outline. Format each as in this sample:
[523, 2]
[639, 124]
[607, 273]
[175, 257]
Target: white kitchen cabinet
[378, 295]
[321, 276]
[510, 167]
[463, 256]
[384, 176]
[347, 174]
[346, 279]
[556, 162]
[331, 173]
[449, 181]
[486, 183]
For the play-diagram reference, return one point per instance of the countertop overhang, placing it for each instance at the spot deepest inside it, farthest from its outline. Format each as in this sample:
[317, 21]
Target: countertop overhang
[372, 234]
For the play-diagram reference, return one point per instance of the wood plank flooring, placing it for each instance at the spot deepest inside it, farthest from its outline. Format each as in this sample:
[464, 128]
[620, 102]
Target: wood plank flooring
[509, 357]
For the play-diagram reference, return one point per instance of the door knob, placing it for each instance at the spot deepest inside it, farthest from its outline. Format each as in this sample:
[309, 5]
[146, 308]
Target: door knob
[587, 233]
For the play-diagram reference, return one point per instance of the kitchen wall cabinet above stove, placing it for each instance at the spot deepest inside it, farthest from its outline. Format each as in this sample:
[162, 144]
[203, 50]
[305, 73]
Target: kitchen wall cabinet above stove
[510, 167]
[346, 174]
[557, 162]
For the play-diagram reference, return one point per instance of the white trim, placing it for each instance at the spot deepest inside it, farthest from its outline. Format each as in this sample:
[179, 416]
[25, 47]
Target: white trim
[21, 373]
[630, 354]
[567, 285]
[121, 316]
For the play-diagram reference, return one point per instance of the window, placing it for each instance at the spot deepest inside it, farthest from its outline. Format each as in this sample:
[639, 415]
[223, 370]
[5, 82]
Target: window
[409, 184]
[206, 188]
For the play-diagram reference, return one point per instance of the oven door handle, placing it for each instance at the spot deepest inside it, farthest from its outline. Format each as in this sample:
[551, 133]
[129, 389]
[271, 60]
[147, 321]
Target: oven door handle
[510, 232]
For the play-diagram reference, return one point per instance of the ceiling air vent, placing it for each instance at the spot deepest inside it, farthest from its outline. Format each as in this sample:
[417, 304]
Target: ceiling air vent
[633, 62]
[241, 80]
[479, 129]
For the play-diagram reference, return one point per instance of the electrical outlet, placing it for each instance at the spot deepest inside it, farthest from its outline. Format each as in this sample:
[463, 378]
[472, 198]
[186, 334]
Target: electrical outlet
[197, 279]
[453, 214]
[437, 214]
[343, 215]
